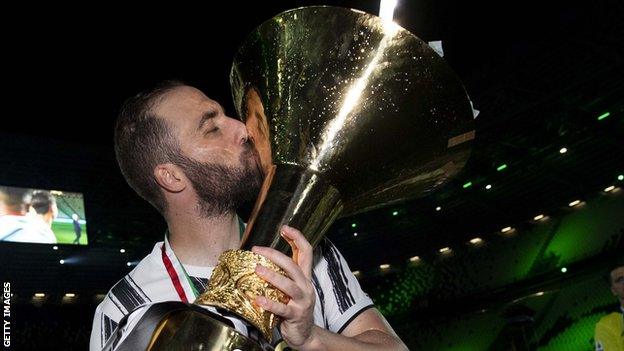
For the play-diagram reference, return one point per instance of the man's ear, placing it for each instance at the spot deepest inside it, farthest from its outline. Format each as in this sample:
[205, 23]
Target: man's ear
[170, 177]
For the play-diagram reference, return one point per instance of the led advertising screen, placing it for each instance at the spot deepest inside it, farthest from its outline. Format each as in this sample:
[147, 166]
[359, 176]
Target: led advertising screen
[42, 216]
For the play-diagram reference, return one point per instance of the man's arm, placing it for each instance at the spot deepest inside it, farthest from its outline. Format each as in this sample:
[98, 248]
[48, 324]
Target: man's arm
[368, 331]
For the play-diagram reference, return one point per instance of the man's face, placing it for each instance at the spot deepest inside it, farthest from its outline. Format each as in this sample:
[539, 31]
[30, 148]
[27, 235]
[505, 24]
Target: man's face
[617, 283]
[215, 153]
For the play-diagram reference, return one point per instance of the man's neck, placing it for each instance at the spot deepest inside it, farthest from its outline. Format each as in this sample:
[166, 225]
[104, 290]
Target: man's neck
[48, 218]
[200, 241]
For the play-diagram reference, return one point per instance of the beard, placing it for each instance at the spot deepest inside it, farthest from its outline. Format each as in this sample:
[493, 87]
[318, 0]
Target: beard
[223, 189]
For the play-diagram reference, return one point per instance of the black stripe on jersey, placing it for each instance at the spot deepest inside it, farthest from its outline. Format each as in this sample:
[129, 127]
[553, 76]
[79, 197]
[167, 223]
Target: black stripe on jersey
[138, 288]
[200, 283]
[102, 340]
[129, 297]
[108, 326]
[321, 295]
[116, 303]
[339, 281]
[353, 317]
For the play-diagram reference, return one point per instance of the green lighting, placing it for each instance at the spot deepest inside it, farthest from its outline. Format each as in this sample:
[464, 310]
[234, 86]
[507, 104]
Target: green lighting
[621, 177]
[501, 167]
[563, 269]
[603, 116]
[353, 225]
[467, 185]
[395, 213]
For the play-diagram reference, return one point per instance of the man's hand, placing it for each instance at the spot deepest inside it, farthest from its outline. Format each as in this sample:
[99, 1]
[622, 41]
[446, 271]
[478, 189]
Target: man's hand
[298, 313]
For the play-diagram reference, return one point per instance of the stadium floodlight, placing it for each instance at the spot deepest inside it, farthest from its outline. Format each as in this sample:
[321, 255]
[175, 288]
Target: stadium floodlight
[476, 241]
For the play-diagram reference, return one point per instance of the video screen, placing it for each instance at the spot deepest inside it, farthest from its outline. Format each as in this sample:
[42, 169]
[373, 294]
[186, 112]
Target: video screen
[42, 216]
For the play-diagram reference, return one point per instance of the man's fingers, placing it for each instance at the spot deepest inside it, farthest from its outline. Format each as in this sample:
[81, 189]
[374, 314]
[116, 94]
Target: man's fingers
[277, 308]
[286, 285]
[302, 247]
[286, 263]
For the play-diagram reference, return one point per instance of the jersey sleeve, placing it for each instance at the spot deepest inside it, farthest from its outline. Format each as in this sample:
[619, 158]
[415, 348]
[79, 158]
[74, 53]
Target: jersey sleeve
[105, 322]
[340, 297]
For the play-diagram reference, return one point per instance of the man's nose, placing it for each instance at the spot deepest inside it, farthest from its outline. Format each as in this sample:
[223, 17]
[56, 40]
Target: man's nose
[240, 132]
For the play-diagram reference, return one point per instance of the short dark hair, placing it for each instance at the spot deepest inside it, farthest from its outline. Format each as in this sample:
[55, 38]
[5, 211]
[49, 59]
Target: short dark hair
[15, 199]
[42, 201]
[144, 140]
[613, 266]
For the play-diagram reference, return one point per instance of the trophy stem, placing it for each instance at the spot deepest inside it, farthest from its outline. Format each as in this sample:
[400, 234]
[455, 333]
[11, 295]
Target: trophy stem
[291, 195]
[298, 197]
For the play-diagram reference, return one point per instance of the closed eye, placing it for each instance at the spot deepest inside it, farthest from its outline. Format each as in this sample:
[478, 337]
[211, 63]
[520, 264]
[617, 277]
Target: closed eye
[215, 129]
[206, 117]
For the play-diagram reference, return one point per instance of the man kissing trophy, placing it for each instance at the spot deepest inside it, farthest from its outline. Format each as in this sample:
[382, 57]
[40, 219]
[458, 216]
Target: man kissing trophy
[348, 113]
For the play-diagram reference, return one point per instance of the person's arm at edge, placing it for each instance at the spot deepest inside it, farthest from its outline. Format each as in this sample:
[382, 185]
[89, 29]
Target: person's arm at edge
[368, 331]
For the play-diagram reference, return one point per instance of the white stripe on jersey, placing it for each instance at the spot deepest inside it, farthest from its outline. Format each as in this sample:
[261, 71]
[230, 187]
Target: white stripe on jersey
[339, 297]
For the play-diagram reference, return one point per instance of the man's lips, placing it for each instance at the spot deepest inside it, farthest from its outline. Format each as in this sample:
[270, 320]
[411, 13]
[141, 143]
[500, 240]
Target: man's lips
[253, 154]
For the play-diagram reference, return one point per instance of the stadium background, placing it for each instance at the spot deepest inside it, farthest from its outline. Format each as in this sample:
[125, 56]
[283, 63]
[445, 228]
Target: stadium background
[544, 77]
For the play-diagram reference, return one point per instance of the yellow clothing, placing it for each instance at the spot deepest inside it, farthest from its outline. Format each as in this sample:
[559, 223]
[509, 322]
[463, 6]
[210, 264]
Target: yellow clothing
[609, 334]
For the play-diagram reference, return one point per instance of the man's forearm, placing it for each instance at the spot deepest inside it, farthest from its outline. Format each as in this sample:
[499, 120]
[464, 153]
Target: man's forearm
[324, 340]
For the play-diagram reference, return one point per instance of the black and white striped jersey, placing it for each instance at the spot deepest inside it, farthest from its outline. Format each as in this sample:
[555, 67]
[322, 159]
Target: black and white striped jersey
[339, 297]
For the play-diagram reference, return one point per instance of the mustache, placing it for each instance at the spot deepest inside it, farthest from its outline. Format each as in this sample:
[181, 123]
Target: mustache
[250, 151]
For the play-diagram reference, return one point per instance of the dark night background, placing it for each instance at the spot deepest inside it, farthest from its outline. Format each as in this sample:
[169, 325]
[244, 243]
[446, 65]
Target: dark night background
[540, 73]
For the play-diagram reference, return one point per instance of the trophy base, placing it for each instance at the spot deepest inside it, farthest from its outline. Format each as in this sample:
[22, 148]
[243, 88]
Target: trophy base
[174, 326]
[234, 285]
[193, 330]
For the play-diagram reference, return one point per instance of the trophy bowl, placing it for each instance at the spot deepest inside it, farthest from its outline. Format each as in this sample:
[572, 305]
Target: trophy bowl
[348, 113]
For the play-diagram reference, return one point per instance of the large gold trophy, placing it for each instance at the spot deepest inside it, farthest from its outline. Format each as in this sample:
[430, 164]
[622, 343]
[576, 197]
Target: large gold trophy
[348, 113]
